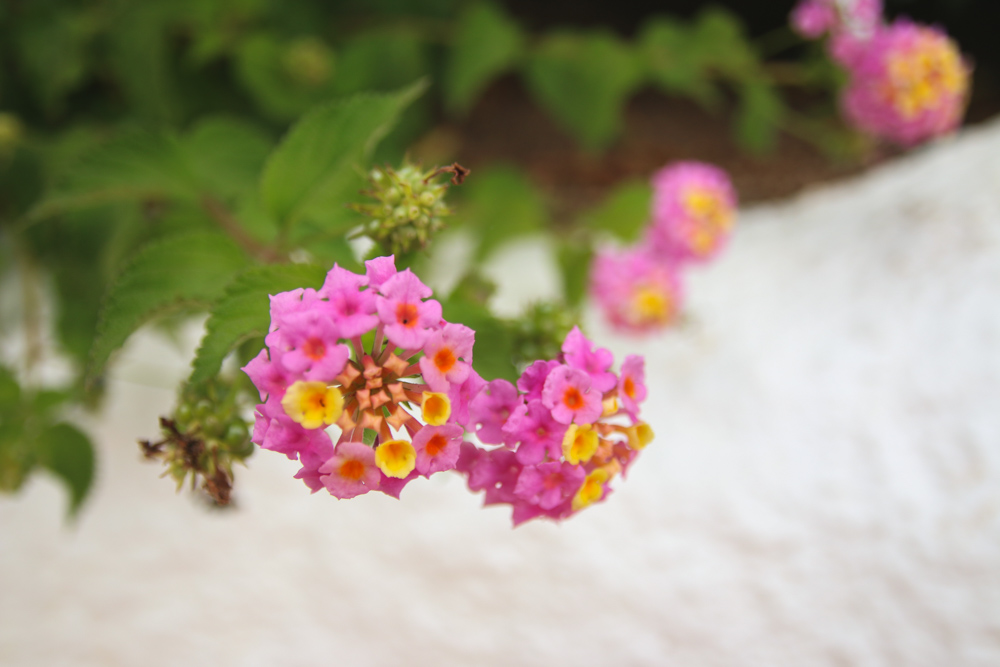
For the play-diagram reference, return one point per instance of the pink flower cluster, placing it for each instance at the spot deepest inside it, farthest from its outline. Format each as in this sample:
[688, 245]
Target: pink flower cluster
[693, 212]
[372, 356]
[566, 430]
[907, 82]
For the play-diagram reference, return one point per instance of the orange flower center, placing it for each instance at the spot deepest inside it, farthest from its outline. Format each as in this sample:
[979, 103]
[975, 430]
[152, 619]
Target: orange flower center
[629, 387]
[572, 398]
[406, 314]
[314, 349]
[436, 444]
[352, 470]
[444, 359]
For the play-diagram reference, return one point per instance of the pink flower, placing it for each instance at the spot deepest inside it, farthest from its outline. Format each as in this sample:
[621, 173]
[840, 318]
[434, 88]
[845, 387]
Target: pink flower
[461, 396]
[447, 356]
[631, 385]
[351, 470]
[580, 353]
[694, 208]
[437, 448]
[637, 292]
[909, 84]
[310, 345]
[813, 18]
[286, 303]
[549, 485]
[393, 486]
[537, 432]
[379, 270]
[407, 318]
[489, 410]
[568, 394]
[858, 19]
[533, 378]
[269, 377]
[351, 308]
[279, 433]
[312, 460]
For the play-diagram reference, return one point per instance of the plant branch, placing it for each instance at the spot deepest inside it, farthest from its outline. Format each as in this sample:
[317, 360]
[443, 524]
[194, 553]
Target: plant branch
[229, 224]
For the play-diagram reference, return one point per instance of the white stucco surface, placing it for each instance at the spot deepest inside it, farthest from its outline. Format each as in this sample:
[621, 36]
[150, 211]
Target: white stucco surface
[824, 488]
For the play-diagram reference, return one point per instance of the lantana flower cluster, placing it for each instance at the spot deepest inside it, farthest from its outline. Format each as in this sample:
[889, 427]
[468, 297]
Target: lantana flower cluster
[907, 82]
[566, 430]
[693, 212]
[370, 359]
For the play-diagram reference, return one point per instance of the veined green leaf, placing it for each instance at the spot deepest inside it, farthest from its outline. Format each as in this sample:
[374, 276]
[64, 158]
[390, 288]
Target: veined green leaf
[583, 79]
[183, 270]
[137, 165]
[67, 452]
[487, 42]
[316, 165]
[226, 155]
[243, 311]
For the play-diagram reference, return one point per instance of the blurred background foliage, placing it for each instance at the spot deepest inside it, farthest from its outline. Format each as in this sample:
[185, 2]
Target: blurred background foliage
[147, 168]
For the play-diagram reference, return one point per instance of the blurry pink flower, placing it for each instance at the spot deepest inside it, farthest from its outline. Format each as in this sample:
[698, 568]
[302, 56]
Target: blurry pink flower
[694, 208]
[637, 292]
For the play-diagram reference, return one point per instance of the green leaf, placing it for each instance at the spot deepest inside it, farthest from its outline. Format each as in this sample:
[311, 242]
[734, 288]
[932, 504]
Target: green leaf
[262, 67]
[10, 390]
[140, 55]
[135, 166]
[380, 60]
[574, 261]
[760, 113]
[67, 452]
[244, 311]
[487, 42]
[624, 211]
[53, 46]
[494, 351]
[226, 155]
[501, 203]
[184, 270]
[720, 43]
[584, 80]
[315, 167]
[674, 62]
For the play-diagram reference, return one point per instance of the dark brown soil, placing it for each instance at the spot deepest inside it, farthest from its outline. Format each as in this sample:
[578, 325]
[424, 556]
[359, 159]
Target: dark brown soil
[506, 126]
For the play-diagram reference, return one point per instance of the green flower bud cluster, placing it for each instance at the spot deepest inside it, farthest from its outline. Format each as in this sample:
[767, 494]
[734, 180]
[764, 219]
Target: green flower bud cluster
[410, 206]
[203, 438]
[539, 333]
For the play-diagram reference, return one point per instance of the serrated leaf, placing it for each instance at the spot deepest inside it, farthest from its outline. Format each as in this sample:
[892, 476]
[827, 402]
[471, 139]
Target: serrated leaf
[493, 354]
[487, 42]
[624, 211]
[244, 311]
[67, 452]
[759, 115]
[136, 165]
[501, 203]
[315, 166]
[583, 79]
[226, 155]
[184, 270]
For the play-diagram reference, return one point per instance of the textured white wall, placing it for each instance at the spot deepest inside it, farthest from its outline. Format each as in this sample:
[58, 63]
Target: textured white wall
[824, 488]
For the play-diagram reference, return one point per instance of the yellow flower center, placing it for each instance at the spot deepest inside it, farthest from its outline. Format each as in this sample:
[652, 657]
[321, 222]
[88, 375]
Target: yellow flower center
[592, 489]
[396, 458]
[639, 435]
[650, 306]
[919, 78]
[313, 404]
[436, 408]
[711, 215]
[579, 443]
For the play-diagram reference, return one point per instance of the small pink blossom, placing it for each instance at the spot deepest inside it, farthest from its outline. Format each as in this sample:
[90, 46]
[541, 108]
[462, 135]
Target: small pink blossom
[407, 318]
[570, 397]
[549, 485]
[533, 378]
[312, 460]
[352, 308]
[311, 345]
[379, 270]
[269, 377]
[447, 356]
[638, 292]
[437, 448]
[580, 353]
[694, 209]
[632, 384]
[533, 426]
[461, 396]
[351, 471]
[490, 409]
